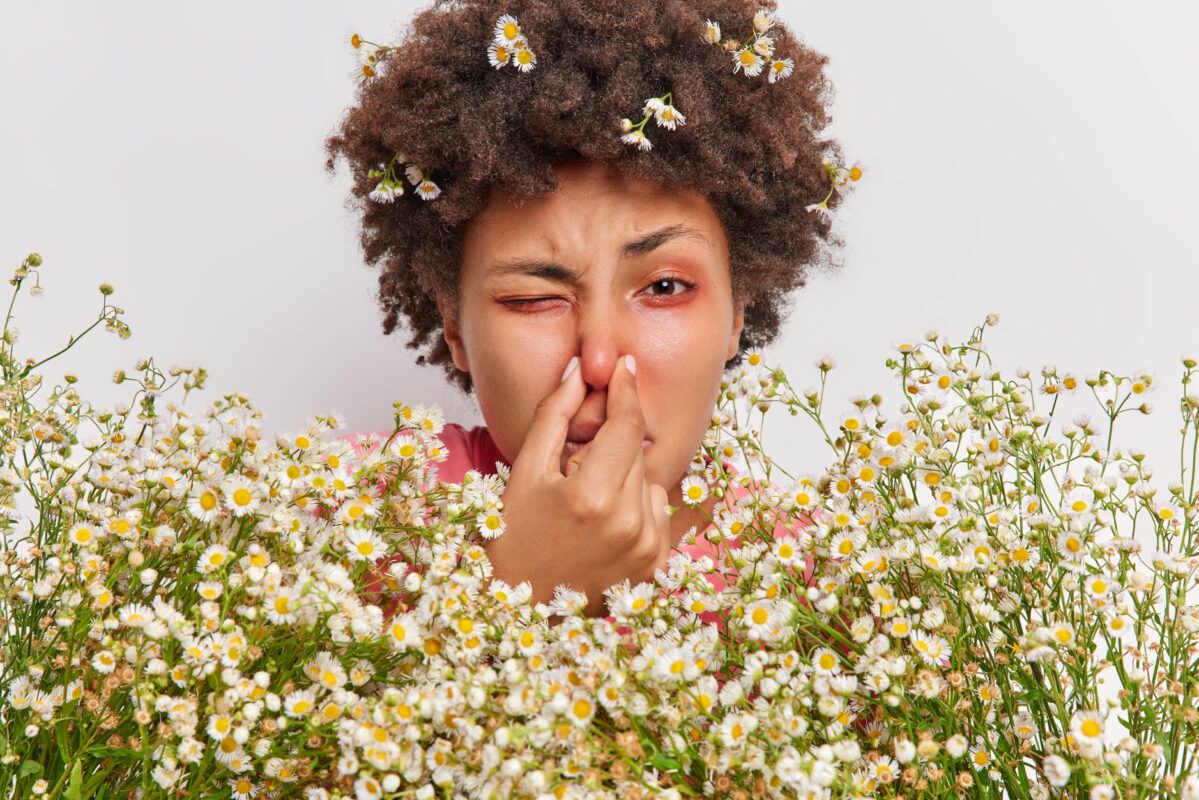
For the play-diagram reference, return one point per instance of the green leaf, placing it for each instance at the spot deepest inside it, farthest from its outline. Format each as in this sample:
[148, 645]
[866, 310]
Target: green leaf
[664, 762]
[75, 785]
[29, 768]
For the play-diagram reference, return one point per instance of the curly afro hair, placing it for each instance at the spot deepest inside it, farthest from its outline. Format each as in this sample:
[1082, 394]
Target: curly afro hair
[750, 147]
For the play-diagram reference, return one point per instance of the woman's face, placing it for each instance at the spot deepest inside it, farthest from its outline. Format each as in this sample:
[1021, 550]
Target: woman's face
[606, 265]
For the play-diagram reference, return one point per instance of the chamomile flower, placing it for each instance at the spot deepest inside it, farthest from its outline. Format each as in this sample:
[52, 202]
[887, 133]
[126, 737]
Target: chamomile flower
[135, 615]
[84, 534]
[747, 61]
[242, 496]
[931, 648]
[405, 632]
[629, 602]
[711, 32]
[219, 726]
[582, 709]
[299, 703]
[780, 68]
[1087, 728]
[282, 605]
[637, 137]
[204, 503]
[490, 523]
[763, 21]
[669, 117]
[386, 192]
[507, 29]
[363, 544]
[499, 54]
[825, 661]
[524, 59]
[694, 490]
[428, 190]
[736, 728]
[214, 557]
[104, 662]
[242, 788]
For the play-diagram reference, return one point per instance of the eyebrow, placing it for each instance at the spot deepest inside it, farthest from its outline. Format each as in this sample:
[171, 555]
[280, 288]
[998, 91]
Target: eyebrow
[553, 271]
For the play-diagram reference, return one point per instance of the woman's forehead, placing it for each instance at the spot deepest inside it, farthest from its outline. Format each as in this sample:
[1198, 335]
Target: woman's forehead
[597, 207]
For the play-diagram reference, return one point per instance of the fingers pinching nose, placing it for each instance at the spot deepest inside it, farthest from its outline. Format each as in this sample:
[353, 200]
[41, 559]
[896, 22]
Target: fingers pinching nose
[570, 365]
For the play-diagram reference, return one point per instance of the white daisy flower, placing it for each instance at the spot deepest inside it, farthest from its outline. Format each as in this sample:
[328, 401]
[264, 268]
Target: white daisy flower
[524, 59]
[628, 602]
[499, 54]
[507, 29]
[242, 788]
[84, 534]
[764, 46]
[763, 21]
[780, 68]
[669, 117]
[428, 190]
[367, 788]
[759, 618]
[364, 545]
[214, 557]
[281, 606]
[242, 496]
[711, 32]
[135, 615]
[638, 138]
[1087, 728]
[582, 709]
[405, 632]
[747, 61]
[219, 726]
[299, 703]
[490, 523]
[204, 503]
[736, 727]
[825, 661]
[104, 662]
[385, 192]
[930, 647]
[694, 490]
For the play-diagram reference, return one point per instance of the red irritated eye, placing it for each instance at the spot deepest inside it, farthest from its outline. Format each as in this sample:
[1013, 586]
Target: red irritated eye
[659, 288]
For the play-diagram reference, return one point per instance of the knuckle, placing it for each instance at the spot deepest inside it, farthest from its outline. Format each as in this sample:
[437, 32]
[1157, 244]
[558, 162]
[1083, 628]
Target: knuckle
[589, 504]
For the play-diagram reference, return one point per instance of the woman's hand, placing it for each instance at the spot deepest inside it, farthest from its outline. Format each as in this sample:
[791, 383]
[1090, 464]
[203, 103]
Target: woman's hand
[596, 524]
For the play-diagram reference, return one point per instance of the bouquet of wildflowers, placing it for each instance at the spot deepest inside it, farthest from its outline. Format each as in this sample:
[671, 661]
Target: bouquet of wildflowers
[957, 605]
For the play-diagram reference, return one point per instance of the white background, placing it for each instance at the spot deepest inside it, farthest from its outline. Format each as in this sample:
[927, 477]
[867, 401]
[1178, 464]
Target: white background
[1035, 159]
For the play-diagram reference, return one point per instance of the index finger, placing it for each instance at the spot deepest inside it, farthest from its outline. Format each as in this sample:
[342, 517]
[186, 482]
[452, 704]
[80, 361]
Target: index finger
[541, 451]
[618, 441]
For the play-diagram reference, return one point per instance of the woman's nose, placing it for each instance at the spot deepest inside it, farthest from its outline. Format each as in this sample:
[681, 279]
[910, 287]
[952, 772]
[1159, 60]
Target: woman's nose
[602, 339]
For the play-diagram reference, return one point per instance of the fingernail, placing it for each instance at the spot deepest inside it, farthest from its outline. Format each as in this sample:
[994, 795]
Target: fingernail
[631, 363]
[570, 365]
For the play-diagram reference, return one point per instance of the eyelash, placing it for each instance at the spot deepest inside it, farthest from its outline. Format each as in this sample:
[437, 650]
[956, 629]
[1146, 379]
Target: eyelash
[687, 287]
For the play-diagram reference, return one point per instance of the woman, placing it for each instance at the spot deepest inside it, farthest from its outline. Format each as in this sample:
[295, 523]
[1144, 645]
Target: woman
[550, 245]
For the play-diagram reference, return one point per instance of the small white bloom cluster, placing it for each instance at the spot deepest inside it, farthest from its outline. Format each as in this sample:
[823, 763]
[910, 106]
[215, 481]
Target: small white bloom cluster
[662, 111]
[509, 45]
[391, 185]
[756, 53]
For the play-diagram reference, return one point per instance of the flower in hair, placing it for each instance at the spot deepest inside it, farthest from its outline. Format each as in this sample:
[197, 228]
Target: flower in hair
[662, 111]
[842, 178]
[391, 185]
[756, 53]
[369, 57]
[510, 46]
